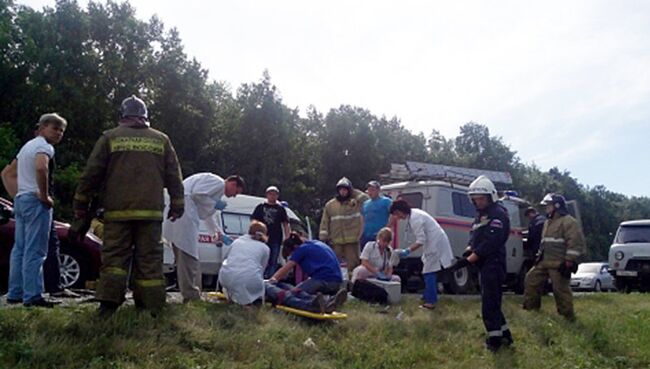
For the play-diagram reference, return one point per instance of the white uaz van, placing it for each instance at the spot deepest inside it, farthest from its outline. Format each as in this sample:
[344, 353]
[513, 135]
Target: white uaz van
[629, 256]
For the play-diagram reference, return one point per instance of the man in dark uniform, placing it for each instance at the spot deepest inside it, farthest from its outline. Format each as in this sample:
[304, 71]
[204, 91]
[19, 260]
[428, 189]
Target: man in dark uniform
[487, 251]
[535, 226]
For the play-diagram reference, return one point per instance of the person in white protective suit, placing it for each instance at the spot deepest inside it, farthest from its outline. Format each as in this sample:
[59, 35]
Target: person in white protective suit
[241, 274]
[203, 197]
[436, 249]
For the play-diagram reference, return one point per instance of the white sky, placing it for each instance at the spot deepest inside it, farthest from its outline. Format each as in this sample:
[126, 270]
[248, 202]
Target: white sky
[566, 83]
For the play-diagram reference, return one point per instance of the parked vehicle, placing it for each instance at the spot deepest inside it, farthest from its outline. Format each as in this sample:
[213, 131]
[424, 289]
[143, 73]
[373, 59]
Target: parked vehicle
[234, 221]
[629, 256]
[449, 204]
[79, 262]
[592, 277]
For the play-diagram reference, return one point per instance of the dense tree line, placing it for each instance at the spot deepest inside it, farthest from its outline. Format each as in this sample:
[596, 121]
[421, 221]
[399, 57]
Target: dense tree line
[83, 62]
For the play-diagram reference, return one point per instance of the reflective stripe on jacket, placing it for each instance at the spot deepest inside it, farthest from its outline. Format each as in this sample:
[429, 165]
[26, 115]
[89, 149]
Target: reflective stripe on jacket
[131, 166]
[562, 239]
[341, 221]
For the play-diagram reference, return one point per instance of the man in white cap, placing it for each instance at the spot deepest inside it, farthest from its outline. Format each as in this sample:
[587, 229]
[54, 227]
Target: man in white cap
[274, 215]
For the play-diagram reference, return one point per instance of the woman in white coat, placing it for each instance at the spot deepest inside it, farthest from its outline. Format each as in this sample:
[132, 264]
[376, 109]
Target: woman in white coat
[203, 197]
[242, 272]
[436, 249]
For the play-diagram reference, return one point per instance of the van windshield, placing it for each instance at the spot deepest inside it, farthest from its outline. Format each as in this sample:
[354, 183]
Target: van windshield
[633, 234]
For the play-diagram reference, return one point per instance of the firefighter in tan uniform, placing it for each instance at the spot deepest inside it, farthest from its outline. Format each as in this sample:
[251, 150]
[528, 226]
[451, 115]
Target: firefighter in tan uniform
[342, 224]
[130, 165]
[562, 243]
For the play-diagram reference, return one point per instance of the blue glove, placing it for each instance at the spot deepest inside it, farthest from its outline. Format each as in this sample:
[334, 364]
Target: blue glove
[404, 253]
[226, 240]
[382, 276]
[220, 205]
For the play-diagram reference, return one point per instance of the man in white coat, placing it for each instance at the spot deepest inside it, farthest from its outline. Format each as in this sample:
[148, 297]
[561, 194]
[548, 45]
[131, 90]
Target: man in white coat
[436, 249]
[203, 197]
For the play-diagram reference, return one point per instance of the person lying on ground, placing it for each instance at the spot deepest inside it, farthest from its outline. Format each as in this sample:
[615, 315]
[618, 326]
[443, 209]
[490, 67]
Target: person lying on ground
[279, 293]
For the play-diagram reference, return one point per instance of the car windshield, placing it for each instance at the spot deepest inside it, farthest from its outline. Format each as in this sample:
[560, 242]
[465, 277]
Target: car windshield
[588, 268]
[633, 234]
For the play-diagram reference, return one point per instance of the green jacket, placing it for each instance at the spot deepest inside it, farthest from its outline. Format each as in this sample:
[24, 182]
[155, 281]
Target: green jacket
[562, 239]
[130, 166]
[341, 222]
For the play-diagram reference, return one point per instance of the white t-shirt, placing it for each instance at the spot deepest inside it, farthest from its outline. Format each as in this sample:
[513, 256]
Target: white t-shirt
[26, 160]
[373, 255]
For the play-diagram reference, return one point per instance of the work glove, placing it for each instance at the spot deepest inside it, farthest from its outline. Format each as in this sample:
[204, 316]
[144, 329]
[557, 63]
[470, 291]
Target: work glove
[566, 268]
[468, 252]
[175, 213]
[461, 263]
[404, 253]
[78, 229]
[382, 276]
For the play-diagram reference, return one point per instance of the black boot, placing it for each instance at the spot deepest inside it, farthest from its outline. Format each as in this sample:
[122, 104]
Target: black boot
[493, 343]
[107, 308]
[41, 303]
[506, 339]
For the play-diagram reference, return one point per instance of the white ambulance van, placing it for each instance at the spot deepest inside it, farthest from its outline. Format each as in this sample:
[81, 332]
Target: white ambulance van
[449, 204]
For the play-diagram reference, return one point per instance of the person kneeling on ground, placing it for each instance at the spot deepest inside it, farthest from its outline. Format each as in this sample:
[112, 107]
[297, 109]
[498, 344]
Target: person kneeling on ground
[316, 259]
[376, 259]
[243, 267]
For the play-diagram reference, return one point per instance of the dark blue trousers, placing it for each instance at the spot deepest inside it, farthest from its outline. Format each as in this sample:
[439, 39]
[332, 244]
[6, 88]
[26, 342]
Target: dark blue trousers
[492, 278]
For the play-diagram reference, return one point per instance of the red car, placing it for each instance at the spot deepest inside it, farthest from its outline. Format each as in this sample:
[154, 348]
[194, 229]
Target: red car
[79, 262]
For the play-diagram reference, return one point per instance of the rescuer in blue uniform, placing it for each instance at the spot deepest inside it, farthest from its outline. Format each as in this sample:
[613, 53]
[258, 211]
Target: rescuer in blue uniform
[487, 251]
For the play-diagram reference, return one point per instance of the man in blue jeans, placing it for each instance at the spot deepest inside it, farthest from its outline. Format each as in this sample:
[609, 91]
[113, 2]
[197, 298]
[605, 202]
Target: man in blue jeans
[33, 211]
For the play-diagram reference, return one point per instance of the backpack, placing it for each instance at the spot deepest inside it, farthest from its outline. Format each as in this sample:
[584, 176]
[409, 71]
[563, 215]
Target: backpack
[366, 291]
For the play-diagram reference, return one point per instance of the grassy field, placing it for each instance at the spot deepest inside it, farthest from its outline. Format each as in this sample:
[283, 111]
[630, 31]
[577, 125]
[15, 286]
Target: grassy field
[612, 331]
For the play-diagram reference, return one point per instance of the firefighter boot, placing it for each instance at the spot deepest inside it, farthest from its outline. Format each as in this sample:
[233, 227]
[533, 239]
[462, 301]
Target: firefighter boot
[493, 343]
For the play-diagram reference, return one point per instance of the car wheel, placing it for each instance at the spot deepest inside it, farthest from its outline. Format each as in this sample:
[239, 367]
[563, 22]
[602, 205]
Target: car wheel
[462, 281]
[598, 287]
[72, 268]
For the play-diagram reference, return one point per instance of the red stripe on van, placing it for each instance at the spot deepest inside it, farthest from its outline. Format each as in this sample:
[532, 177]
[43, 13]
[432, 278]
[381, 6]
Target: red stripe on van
[458, 224]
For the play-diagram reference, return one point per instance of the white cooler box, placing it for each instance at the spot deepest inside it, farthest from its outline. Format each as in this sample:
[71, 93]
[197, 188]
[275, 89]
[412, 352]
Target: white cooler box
[392, 288]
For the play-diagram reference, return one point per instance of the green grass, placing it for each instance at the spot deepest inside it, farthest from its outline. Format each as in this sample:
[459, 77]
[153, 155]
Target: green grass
[612, 331]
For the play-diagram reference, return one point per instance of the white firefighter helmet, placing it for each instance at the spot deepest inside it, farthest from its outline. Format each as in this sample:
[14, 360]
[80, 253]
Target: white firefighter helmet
[548, 199]
[483, 186]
